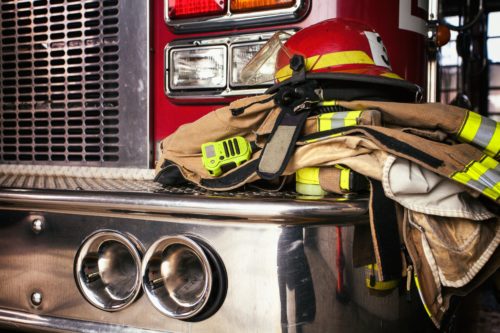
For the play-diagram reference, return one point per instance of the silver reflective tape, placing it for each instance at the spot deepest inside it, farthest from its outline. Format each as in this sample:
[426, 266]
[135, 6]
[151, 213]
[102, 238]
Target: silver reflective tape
[476, 185]
[485, 132]
[490, 178]
[337, 123]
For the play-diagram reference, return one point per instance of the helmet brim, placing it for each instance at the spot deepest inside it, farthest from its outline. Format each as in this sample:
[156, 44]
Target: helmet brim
[348, 86]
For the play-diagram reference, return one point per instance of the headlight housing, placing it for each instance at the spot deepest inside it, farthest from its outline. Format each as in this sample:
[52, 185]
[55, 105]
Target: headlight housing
[183, 278]
[107, 270]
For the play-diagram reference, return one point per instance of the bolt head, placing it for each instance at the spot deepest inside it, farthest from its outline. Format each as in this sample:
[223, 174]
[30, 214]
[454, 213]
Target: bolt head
[37, 225]
[36, 298]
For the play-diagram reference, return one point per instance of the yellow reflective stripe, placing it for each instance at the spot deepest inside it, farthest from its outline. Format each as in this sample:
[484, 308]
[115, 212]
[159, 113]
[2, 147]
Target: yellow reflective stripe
[417, 283]
[345, 184]
[392, 75]
[328, 103]
[307, 176]
[481, 131]
[483, 176]
[343, 58]
[328, 121]
[328, 60]
[352, 118]
[324, 137]
[286, 72]
[470, 126]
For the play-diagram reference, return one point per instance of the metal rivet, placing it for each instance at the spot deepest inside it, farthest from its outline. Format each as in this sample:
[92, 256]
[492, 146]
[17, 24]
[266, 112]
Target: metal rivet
[36, 298]
[37, 225]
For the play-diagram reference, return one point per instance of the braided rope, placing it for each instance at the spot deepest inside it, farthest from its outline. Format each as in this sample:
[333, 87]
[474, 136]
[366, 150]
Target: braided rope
[80, 172]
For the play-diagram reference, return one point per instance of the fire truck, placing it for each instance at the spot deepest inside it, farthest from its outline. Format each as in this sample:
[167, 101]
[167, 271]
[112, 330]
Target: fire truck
[90, 243]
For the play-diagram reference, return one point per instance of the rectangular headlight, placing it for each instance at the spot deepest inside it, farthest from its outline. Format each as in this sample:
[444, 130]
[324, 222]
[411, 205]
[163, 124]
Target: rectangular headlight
[198, 68]
[240, 56]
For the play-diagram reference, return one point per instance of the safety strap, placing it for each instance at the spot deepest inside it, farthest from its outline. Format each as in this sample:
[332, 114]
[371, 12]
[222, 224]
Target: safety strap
[385, 234]
[296, 102]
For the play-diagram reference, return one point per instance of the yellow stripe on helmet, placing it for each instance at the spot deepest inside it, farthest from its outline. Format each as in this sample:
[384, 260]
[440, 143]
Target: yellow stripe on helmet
[327, 60]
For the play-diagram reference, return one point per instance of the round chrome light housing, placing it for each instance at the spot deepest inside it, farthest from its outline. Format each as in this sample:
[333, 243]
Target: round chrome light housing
[107, 270]
[183, 278]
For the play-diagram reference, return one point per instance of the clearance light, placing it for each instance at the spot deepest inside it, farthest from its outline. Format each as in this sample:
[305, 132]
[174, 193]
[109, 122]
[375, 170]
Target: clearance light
[240, 56]
[239, 6]
[198, 68]
[179, 9]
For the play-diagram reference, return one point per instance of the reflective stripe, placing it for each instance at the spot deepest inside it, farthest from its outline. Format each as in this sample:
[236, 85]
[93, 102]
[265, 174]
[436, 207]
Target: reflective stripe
[307, 176]
[483, 176]
[328, 121]
[328, 103]
[482, 131]
[345, 180]
[324, 137]
[328, 60]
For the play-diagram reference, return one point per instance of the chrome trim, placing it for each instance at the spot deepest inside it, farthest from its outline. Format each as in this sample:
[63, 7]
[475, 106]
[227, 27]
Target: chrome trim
[23, 320]
[232, 20]
[227, 90]
[105, 295]
[166, 299]
[214, 206]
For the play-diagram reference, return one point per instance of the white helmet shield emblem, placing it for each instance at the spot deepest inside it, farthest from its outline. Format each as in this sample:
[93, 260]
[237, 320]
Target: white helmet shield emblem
[379, 52]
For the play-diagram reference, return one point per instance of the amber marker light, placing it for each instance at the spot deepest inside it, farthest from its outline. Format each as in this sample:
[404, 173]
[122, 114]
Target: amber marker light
[240, 6]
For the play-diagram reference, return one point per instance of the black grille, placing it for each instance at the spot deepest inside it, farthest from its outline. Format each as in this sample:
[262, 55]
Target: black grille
[59, 81]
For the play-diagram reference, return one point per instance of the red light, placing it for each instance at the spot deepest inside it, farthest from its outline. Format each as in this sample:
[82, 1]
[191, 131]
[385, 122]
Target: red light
[194, 8]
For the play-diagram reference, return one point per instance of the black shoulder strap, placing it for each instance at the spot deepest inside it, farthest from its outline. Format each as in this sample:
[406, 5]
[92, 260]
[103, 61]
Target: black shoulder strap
[385, 233]
[295, 101]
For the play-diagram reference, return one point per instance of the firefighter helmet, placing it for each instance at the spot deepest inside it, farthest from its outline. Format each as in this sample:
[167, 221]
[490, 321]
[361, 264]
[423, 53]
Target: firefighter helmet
[343, 51]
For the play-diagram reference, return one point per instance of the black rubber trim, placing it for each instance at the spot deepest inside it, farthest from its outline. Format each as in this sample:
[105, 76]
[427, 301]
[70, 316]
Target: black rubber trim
[237, 111]
[234, 178]
[384, 227]
[170, 174]
[347, 86]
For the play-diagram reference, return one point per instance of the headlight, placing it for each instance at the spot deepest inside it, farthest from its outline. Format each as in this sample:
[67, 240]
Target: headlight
[198, 68]
[107, 270]
[182, 278]
[240, 56]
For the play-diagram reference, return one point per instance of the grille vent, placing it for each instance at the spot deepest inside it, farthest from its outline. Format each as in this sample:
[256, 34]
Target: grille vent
[59, 82]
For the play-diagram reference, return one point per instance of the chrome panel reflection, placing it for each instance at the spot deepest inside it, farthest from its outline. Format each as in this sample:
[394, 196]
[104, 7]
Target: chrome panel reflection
[280, 277]
[28, 321]
[217, 207]
[179, 278]
[239, 20]
[107, 270]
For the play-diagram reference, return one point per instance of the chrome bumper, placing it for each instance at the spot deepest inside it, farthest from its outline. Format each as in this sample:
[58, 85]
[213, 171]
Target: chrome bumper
[280, 254]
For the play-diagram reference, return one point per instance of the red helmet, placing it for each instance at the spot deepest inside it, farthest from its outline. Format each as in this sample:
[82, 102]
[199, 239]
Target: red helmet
[342, 50]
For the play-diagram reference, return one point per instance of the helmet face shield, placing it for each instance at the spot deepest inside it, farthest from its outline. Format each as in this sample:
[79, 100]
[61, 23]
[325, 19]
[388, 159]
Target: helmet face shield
[261, 68]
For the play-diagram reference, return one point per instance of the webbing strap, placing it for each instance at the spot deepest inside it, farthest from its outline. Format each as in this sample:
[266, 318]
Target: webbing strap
[481, 131]
[385, 233]
[281, 145]
[231, 179]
